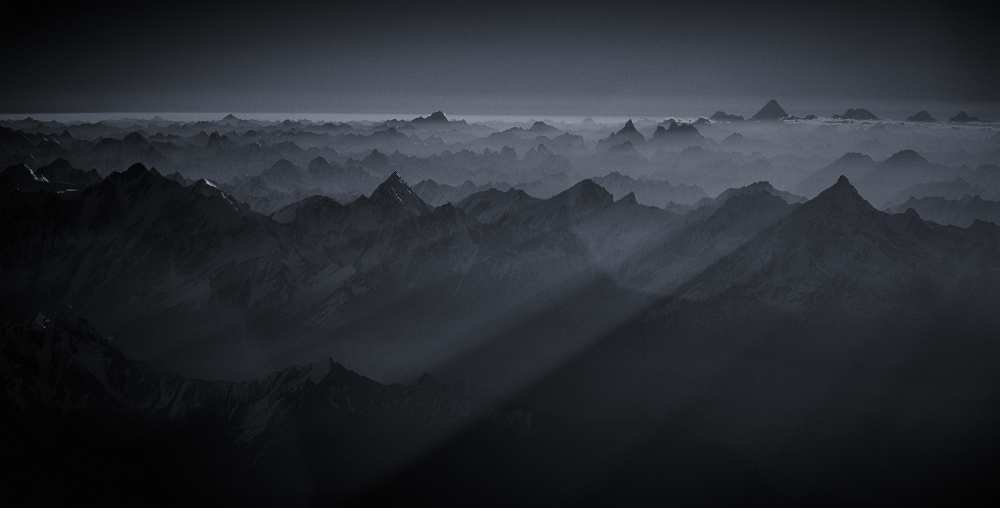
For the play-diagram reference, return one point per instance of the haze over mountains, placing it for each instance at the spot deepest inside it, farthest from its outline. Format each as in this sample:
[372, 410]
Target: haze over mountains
[691, 310]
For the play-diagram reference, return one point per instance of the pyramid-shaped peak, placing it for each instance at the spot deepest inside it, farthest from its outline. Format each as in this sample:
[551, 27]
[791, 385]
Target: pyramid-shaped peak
[771, 111]
[394, 191]
[393, 181]
[628, 128]
[842, 195]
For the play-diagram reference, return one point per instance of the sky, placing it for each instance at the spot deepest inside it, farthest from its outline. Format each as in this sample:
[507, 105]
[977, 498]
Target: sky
[490, 57]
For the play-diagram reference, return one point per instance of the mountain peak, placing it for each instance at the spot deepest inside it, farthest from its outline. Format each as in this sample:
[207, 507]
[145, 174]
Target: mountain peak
[586, 193]
[922, 116]
[963, 117]
[771, 111]
[395, 180]
[629, 199]
[435, 117]
[136, 170]
[395, 192]
[206, 188]
[906, 157]
[541, 127]
[134, 138]
[857, 114]
[628, 133]
[318, 162]
[841, 198]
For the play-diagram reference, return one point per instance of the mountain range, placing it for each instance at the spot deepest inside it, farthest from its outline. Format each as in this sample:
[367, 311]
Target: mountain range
[438, 312]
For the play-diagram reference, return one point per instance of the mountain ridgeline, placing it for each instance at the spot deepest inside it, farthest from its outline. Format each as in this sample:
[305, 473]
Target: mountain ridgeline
[442, 312]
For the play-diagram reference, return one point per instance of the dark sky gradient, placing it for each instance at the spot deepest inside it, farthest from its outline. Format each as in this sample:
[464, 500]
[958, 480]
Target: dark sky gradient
[285, 56]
